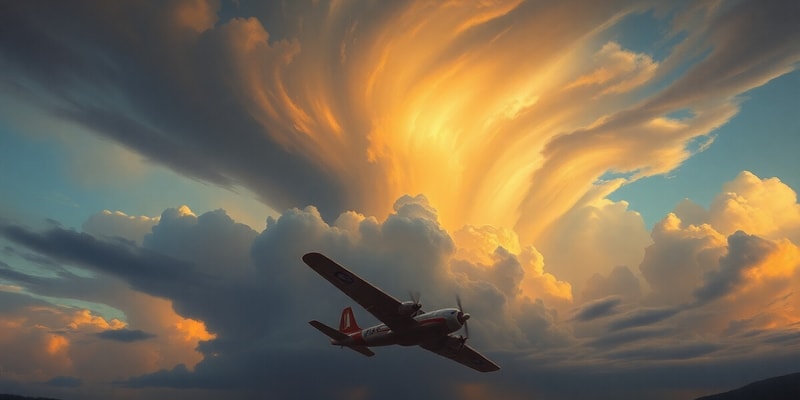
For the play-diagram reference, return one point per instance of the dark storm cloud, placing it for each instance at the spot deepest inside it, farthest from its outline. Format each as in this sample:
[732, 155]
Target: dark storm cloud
[140, 267]
[642, 317]
[258, 307]
[616, 339]
[787, 338]
[238, 307]
[261, 297]
[11, 274]
[125, 335]
[744, 252]
[598, 308]
[746, 41]
[196, 290]
[541, 327]
[130, 72]
[34, 258]
[65, 284]
[263, 336]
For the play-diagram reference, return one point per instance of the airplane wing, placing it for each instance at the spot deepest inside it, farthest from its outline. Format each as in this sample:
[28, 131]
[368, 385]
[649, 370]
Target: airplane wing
[383, 306]
[452, 348]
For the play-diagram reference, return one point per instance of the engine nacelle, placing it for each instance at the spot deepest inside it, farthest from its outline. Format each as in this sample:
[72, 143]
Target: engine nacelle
[408, 308]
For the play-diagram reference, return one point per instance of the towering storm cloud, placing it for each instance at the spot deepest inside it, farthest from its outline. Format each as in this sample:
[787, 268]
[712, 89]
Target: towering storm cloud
[510, 113]
[459, 148]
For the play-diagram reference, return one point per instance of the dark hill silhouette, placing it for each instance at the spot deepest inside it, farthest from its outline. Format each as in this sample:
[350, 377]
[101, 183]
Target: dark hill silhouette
[786, 387]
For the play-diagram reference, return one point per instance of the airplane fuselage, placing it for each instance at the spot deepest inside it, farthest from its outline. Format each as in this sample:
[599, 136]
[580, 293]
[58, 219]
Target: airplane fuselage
[403, 322]
[432, 325]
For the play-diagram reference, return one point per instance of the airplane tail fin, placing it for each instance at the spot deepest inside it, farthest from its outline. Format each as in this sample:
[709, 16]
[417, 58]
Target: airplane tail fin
[347, 324]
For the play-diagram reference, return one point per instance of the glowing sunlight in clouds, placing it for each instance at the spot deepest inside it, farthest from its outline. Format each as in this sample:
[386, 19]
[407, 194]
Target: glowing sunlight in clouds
[501, 118]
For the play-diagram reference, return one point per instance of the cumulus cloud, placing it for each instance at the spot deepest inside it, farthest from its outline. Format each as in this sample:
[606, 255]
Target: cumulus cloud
[409, 250]
[243, 297]
[675, 264]
[744, 253]
[486, 251]
[765, 207]
[697, 256]
[40, 353]
[596, 238]
[118, 224]
[42, 318]
[621, 282]
[44, 342]
[735, 284]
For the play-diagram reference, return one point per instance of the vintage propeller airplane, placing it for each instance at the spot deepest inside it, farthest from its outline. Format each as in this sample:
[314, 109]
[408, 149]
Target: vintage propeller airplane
[404, 323]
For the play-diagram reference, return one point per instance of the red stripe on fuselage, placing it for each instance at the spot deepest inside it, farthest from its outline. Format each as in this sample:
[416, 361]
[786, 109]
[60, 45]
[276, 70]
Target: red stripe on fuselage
[381, 335]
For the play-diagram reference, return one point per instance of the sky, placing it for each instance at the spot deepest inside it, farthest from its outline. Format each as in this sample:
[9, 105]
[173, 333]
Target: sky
[609, 186]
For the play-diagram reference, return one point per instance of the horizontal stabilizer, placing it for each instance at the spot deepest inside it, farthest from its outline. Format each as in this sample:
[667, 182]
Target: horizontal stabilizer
[332, 333]
[336, 335]
[363, 350]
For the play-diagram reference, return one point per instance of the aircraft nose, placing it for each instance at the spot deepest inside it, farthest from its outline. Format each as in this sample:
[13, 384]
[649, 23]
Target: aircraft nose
[462, 317]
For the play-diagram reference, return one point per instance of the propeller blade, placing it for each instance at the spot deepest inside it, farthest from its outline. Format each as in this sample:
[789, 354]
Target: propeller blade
[463, 317]
[415, 296]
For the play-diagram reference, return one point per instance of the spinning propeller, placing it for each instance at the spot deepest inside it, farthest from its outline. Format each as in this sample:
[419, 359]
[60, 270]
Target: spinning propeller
[462, 319]
[415, 296]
